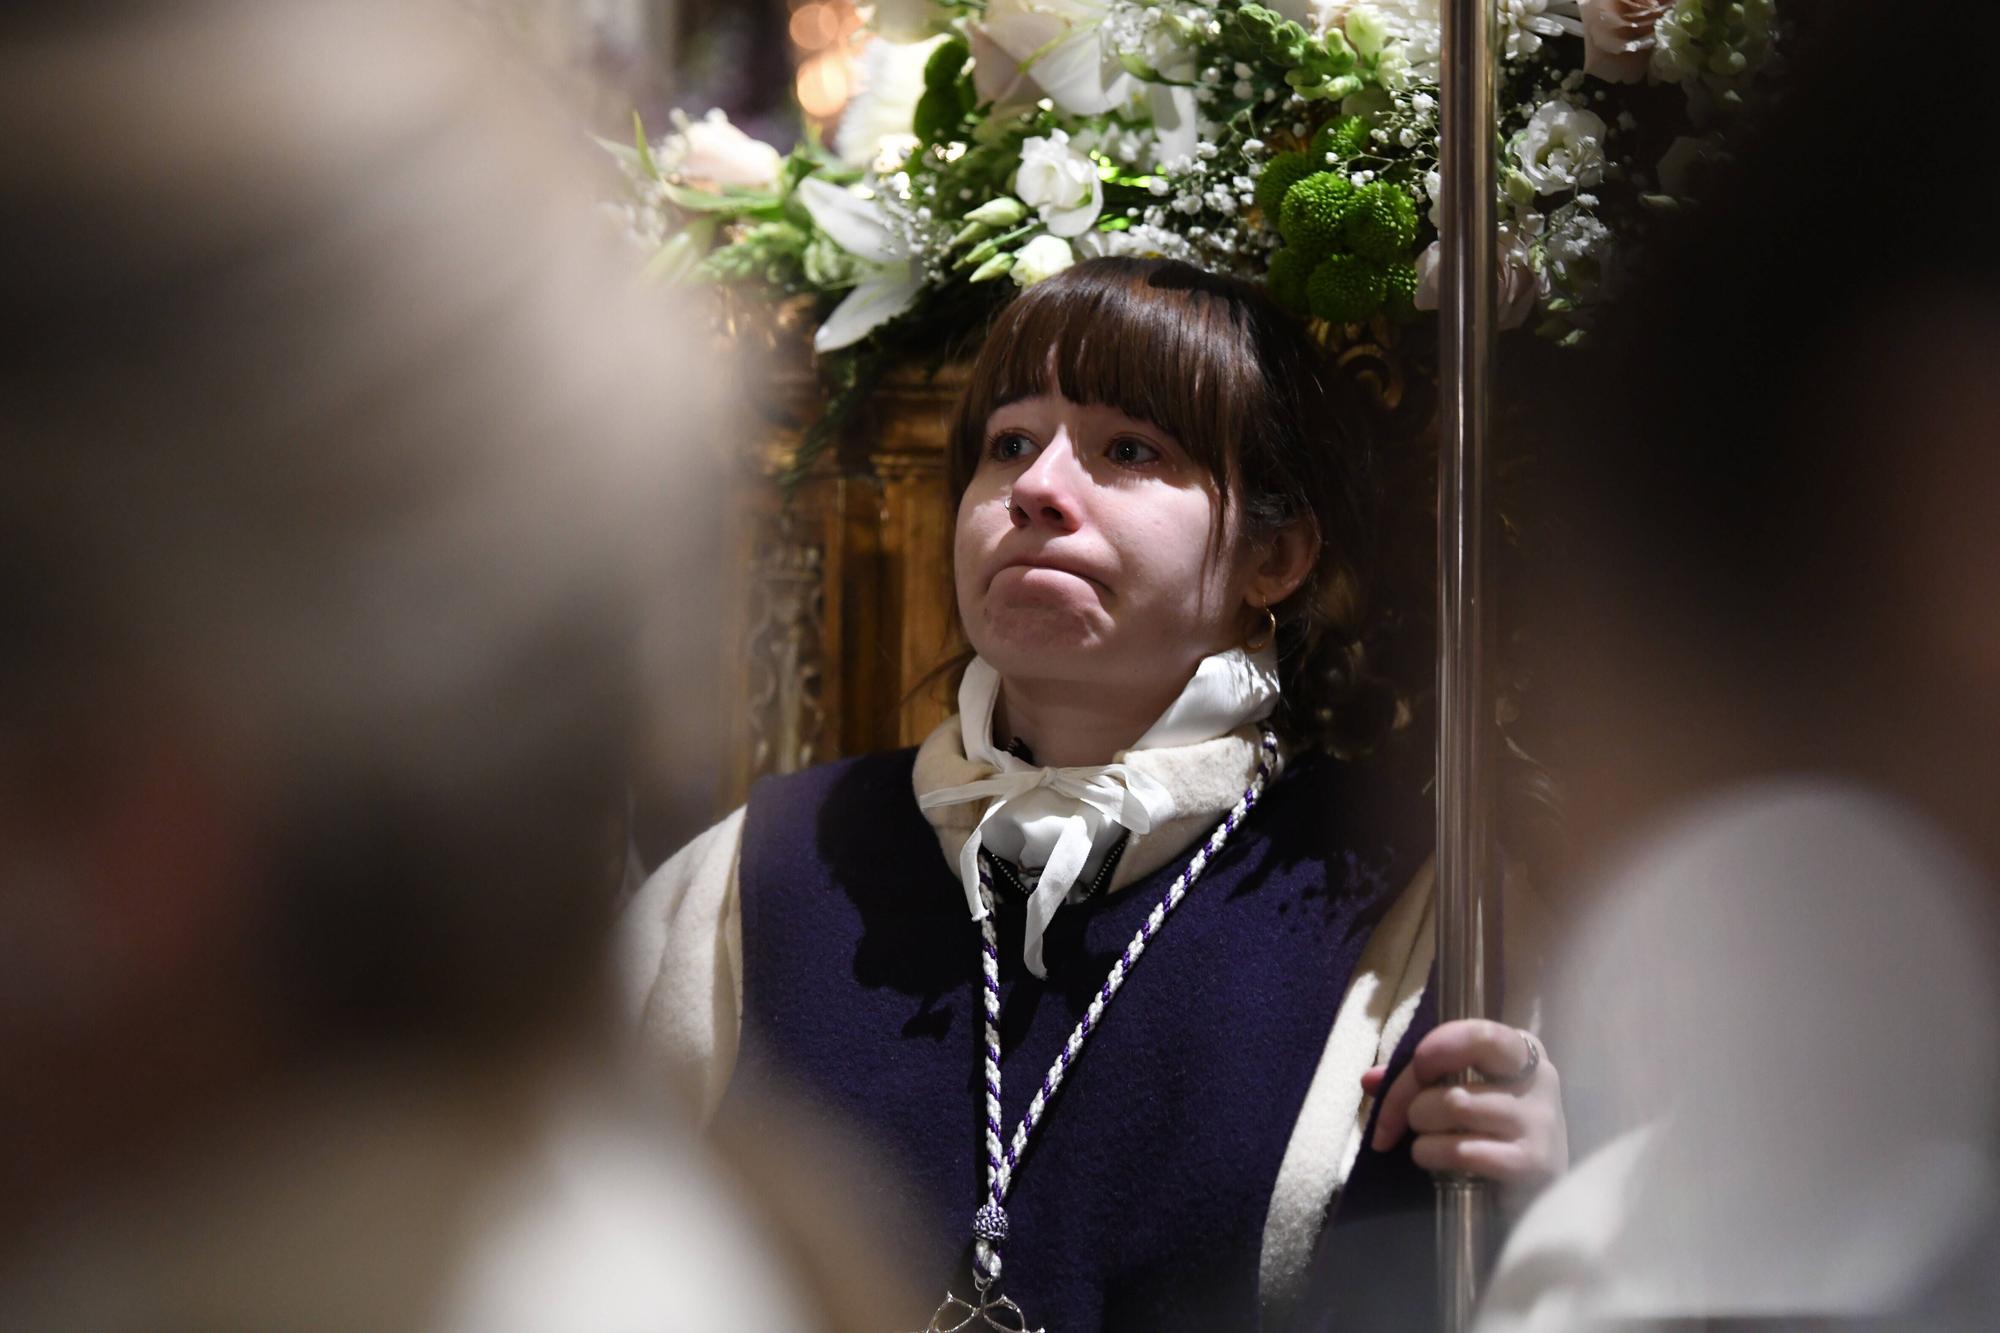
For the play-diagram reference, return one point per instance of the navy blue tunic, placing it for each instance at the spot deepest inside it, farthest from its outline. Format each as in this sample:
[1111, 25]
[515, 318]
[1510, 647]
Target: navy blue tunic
[1141, 1201]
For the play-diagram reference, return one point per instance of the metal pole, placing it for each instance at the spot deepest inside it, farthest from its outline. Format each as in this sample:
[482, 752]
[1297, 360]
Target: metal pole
[1467, 308]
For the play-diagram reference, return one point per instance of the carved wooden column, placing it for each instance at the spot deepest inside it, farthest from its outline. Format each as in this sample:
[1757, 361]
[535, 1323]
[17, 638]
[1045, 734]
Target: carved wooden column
[907, 456]
[840, 592]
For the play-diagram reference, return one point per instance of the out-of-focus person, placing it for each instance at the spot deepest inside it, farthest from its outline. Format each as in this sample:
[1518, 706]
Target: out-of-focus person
[1782, 664]
[333, 458]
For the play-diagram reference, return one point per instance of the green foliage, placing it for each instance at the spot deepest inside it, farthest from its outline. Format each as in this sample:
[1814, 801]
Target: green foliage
[1326, 74]
[683, 251]
[1289, 271]
[1256, 34]
[1313, 211]
[999, 266]
[1281, 173]
[645, 150]
[948, 97]
[1340, 140]
[1345, 289]
[1380, 222]
[1399, 294]
[1005, 211]
[938, 115]
[827, 266]
[947, 65]
[770, 252]
[1315, 68]
[702, 201]
[848, 380]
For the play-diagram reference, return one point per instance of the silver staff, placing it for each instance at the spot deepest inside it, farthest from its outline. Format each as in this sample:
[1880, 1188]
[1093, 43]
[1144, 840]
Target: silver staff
[1466, 304]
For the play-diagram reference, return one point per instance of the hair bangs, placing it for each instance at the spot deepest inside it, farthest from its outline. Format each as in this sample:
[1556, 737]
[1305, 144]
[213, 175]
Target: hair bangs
[1161, 342]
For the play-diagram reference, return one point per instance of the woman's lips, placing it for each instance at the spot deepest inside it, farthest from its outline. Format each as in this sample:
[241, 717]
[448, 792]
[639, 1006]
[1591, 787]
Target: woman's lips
[1032, 564]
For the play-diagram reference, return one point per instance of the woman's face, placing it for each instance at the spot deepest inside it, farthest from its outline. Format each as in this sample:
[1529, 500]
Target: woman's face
[1083, 550]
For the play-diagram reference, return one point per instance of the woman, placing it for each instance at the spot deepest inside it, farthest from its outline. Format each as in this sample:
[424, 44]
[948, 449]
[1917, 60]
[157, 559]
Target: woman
[1154, 559]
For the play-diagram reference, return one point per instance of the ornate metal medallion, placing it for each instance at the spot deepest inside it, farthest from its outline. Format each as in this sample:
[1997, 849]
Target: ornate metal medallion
[958, 1315]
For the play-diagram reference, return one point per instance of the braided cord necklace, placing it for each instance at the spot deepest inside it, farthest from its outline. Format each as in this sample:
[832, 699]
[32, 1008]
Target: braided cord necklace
[1003, 1160]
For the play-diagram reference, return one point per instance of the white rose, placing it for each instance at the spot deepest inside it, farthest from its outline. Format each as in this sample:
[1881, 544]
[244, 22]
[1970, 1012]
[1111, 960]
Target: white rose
[1562, 148]
[1619, 37]
[1043, 257]
[880, 114]
[1520, 286]
[1061, 183]
[713, 150]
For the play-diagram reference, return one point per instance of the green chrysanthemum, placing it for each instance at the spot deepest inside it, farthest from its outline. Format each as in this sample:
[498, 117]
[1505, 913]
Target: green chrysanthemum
[1281, 173]
[1345, 289]
[946, 64]
[1341, 139]
[947, 94]
[937, 115]
[1313, 212]
[1381, 222]
[1399, 290]
[1289, 272]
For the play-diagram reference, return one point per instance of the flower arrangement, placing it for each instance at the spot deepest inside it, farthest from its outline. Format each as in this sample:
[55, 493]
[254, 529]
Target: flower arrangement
[1295, 143]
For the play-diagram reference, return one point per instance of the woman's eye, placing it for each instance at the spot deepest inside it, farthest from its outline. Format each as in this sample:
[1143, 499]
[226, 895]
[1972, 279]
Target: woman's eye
[1127, 450]
[1009, 446]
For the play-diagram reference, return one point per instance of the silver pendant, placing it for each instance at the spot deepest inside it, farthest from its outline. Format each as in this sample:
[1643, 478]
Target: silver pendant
[998, 1313]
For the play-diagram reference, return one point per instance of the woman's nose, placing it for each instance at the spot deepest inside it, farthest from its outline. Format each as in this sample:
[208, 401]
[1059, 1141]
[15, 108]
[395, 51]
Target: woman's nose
[1045, 492]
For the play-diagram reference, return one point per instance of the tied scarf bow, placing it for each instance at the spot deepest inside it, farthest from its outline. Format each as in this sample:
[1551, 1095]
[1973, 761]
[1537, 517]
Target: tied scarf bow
[1116, 792]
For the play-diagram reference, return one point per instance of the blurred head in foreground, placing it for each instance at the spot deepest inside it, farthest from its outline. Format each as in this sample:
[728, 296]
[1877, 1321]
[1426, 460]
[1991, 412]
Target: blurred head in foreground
[328, 470]
[1783, 666]
[1779, 462]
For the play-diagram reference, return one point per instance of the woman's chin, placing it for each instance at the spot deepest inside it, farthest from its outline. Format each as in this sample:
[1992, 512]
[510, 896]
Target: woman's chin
[1038, 637]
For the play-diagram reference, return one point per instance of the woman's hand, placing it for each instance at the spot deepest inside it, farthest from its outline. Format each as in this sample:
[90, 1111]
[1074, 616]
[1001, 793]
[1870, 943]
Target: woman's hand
[1507, 1129]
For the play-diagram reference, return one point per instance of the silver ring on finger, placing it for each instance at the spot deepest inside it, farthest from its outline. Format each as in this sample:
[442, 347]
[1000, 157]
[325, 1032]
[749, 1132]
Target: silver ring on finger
[1526, 1073]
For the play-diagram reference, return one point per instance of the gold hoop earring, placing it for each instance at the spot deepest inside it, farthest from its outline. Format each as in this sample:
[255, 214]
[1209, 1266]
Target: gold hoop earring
[1257, 643]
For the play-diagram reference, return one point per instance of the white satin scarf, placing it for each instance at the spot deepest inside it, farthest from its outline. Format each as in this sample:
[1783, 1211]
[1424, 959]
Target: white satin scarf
[1063, 822]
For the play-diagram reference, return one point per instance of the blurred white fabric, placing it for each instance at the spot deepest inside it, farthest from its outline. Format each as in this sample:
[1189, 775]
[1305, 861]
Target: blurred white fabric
[1787, 999]
[427, 1205]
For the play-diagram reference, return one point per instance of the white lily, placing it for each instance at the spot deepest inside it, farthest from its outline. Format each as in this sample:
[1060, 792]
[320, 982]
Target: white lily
[892, 79]
[890, 283]
[1026, 49]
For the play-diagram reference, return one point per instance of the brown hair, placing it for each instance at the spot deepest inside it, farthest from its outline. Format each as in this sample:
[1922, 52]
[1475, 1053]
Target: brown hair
[1248, 393]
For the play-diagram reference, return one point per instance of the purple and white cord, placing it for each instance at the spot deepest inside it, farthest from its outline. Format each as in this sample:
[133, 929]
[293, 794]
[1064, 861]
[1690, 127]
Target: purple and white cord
[989, 1226]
